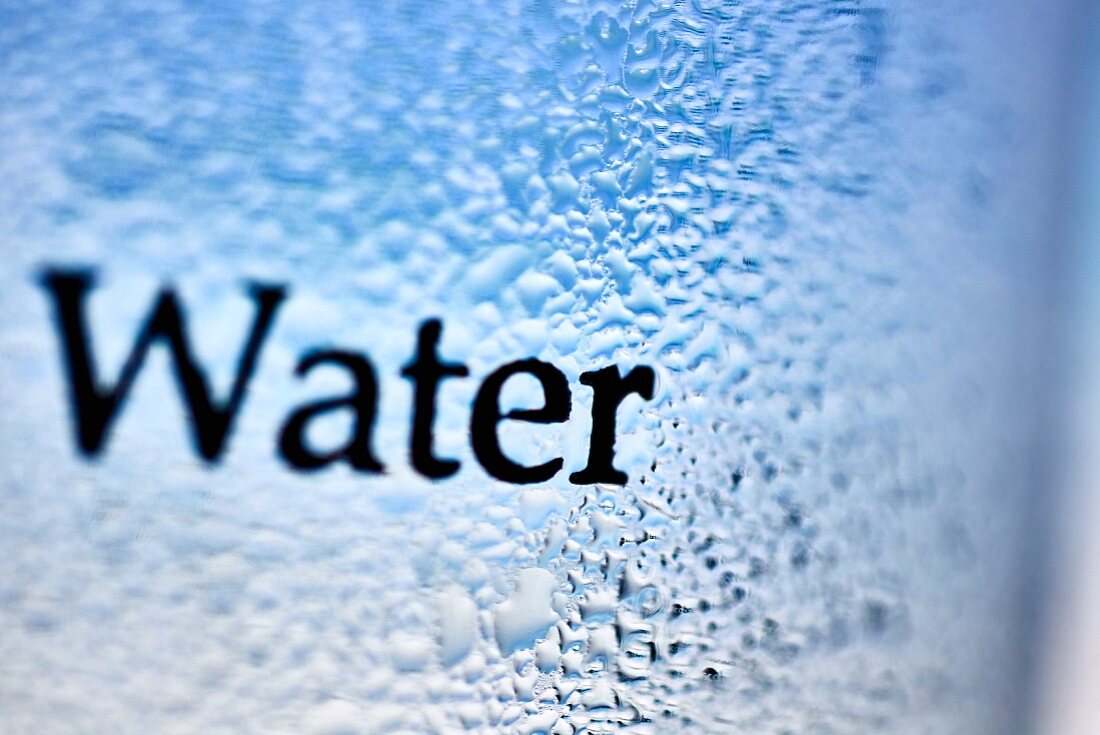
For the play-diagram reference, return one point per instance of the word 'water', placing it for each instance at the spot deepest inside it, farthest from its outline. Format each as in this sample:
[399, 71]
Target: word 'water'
[95, 405]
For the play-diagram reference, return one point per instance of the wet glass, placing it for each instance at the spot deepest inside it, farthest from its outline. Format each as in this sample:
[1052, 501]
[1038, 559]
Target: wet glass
[830, 229]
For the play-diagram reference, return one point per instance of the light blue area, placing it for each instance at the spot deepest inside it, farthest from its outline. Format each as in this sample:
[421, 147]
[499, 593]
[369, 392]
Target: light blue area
[820, 222]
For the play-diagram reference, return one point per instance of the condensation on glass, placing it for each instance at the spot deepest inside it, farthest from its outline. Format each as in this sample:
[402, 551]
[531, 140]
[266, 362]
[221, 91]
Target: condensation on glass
[816, 220]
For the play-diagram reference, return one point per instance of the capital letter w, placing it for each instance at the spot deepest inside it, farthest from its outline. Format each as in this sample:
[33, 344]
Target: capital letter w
[95, 406]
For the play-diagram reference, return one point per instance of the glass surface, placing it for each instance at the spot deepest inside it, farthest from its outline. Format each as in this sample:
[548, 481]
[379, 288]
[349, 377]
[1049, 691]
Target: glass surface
[827, 227]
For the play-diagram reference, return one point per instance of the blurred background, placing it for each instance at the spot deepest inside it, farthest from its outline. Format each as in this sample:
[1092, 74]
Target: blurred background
[857, 241]
[1070, 643]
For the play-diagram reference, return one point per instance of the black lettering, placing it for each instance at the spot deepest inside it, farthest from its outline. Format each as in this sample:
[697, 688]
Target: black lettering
[609, 390]
[363, 401]
[486, 416]
[96, 406]
[426, 372]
